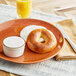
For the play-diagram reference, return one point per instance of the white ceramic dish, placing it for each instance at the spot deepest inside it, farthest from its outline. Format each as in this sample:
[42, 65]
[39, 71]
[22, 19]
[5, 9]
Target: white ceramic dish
[13, 46]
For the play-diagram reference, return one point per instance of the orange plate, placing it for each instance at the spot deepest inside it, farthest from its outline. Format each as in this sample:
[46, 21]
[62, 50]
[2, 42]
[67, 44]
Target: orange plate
[13, 28]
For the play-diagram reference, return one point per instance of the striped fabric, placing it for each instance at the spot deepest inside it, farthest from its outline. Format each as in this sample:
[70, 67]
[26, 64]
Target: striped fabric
[46, 68]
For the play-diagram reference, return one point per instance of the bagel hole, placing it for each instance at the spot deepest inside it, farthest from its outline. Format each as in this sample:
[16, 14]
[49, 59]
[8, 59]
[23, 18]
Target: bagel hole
[42, 40]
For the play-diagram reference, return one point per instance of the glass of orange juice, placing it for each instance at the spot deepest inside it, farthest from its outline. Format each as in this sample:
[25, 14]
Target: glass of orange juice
[24, 8]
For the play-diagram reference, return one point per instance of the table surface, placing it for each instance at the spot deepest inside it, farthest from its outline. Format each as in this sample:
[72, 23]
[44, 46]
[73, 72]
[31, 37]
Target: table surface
[66, 8]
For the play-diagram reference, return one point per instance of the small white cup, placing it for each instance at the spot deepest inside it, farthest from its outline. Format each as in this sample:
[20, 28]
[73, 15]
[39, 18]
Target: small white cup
[13, 46]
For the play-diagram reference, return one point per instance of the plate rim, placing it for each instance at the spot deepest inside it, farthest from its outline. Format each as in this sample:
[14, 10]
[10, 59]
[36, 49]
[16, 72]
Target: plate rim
[36, 61]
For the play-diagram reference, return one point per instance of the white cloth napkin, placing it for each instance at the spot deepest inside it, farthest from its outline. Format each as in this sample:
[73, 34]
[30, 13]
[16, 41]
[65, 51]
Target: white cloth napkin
[46, 68]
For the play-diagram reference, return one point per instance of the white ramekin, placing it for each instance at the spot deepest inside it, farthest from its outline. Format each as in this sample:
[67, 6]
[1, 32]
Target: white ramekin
[11, 51]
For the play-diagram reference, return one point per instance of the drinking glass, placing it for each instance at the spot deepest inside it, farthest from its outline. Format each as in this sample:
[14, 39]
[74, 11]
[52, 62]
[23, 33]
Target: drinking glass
[24, 8]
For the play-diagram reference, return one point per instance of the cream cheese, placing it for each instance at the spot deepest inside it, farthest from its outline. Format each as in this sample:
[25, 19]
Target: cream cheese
[13, 46]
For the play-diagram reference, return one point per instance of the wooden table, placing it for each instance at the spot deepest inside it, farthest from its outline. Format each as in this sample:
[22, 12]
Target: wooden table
[66, 8]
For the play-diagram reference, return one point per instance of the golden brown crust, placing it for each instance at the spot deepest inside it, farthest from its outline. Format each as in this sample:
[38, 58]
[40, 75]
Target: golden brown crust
[35, 45]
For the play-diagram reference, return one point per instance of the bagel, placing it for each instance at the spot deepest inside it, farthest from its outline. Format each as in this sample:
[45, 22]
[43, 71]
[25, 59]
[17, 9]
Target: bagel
[33, 41]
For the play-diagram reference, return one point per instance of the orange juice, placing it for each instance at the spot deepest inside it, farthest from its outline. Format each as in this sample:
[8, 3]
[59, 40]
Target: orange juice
[24, 8]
